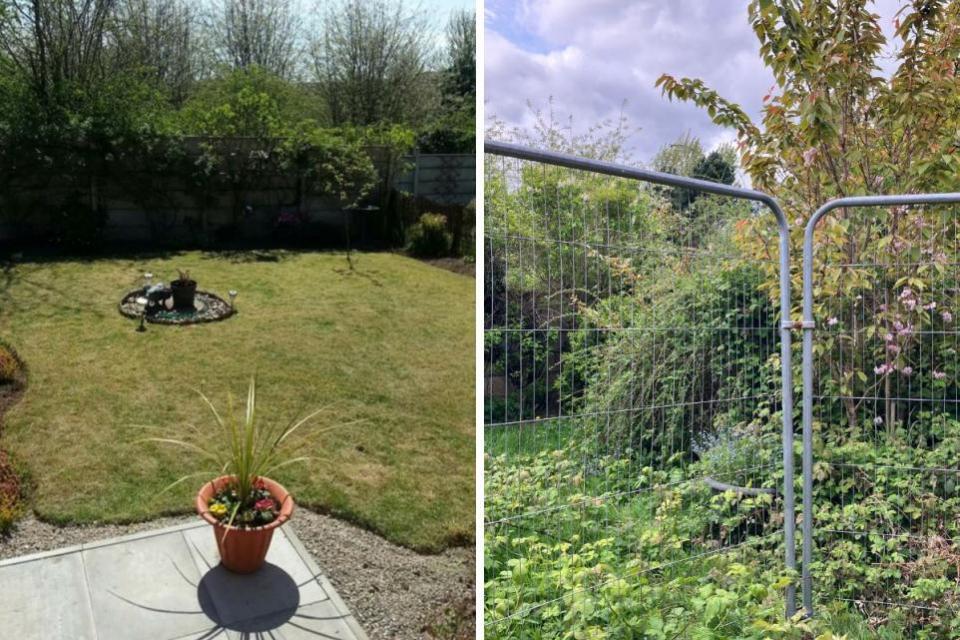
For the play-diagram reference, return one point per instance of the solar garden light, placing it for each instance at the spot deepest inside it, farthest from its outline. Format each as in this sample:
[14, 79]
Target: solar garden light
[233, 296]
[142, 301]
[148, 277]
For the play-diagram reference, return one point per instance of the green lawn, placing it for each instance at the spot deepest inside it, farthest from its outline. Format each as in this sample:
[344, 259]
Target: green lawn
[391, 342]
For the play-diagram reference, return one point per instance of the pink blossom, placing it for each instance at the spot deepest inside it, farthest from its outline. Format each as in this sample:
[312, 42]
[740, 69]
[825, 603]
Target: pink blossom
[832, 321]
[809, 155]
[906, 293]
[888, 337]
[947, 316]
[882, 369]
[930, 306]
[893, 348]
[939, 375]
[907, 371]
[910, 304]
[883, 307]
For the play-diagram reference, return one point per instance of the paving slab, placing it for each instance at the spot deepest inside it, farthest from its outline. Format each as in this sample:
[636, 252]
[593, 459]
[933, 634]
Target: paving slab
[169, 585]
[145, 588]
[46, 598]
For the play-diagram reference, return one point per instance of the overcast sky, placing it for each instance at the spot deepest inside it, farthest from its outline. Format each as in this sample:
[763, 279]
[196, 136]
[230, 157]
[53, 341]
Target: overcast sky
[440, 10]
[590, 56]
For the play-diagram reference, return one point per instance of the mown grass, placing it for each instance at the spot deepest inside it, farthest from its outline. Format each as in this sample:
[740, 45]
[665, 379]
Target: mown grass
[390, 342]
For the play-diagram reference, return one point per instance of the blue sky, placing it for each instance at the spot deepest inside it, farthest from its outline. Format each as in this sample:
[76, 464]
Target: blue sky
[592, 56]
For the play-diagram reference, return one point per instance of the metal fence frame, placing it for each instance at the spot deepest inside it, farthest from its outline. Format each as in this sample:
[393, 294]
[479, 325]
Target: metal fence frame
[786, 325]
[808, 325]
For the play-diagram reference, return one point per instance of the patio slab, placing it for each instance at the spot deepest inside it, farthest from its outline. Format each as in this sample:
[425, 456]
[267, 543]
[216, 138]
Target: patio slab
[168, 585]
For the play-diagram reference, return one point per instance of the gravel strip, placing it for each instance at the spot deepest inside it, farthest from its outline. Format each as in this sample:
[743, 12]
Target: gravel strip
[395, 593]
[32, 536]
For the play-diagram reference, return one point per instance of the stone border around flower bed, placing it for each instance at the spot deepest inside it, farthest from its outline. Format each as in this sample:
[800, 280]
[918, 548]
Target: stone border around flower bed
[215, 310]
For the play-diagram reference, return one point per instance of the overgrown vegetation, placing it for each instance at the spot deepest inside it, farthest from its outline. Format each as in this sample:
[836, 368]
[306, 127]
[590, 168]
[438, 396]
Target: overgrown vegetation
[602, 361]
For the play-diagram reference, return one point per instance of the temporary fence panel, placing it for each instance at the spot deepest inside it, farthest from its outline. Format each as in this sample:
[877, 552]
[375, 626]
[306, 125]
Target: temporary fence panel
[638, 390]
[881, 428]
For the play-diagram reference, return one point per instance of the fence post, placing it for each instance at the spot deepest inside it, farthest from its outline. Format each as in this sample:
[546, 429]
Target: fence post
[786, 381]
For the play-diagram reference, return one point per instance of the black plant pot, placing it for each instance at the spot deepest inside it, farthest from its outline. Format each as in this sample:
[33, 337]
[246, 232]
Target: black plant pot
[183, 294]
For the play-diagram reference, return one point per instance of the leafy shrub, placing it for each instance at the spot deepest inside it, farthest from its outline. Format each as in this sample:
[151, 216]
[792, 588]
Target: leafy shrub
[10, 368]
[11, 493]
[429, 238]
[452, 133]
[707, 336]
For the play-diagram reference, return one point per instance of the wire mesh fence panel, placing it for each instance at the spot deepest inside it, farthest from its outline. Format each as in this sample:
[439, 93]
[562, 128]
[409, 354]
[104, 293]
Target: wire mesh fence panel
[633, 445]
[884, 401]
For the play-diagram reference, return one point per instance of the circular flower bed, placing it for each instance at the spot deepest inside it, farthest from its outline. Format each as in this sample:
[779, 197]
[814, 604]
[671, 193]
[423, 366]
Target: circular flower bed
[208, 307]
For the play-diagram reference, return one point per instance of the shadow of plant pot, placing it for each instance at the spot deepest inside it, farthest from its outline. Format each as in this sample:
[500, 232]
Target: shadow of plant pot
[243, 550]
[249, 604]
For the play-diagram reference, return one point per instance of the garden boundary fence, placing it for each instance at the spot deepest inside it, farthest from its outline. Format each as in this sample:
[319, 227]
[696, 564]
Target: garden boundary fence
[553, 259]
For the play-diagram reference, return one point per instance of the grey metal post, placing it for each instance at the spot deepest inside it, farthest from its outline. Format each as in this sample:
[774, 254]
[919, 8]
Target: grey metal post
[807, 363]
[633, 173]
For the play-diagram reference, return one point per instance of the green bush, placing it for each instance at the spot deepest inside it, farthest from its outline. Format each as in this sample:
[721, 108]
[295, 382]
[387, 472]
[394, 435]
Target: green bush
[429, 238]
[9, 365]
[452, 133]
[706, 334]
[13, 493]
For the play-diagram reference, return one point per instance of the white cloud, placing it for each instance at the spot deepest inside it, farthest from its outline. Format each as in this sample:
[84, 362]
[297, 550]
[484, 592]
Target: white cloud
[591, 56]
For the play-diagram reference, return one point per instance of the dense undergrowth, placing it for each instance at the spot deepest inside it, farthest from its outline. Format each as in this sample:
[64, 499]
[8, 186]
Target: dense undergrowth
[639, 373]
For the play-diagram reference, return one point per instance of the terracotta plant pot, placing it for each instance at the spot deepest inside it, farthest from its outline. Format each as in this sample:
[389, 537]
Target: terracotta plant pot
[243, 550]
[184, 292]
